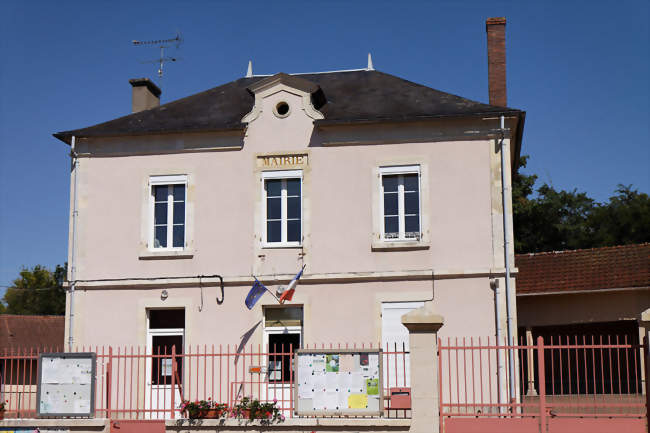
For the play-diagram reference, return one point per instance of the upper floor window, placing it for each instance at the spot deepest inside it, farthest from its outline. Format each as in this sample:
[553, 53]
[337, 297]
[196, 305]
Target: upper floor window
[400, 203]
[282, 207]
[168, 212]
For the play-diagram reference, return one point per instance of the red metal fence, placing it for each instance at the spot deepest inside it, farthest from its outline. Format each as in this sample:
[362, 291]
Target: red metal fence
[597, 377]
[132, 383]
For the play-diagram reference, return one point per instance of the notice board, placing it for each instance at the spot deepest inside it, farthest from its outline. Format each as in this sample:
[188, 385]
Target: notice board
[338, 382]
[66, 385]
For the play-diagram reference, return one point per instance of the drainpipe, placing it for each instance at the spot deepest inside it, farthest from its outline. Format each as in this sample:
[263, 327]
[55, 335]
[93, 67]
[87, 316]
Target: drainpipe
[506, 247]
[501, 361]
[73, 278]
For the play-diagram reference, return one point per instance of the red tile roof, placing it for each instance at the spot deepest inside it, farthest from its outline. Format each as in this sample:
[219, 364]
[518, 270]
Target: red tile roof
[31, 332]
[578, 270]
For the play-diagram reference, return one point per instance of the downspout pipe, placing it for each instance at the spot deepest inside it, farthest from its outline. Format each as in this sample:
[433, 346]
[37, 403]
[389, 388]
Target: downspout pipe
[73, 273]
[505, 191]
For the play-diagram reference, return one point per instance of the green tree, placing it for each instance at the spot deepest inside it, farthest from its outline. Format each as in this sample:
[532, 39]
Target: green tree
[625, 219]
[555, 220]
[37, 291]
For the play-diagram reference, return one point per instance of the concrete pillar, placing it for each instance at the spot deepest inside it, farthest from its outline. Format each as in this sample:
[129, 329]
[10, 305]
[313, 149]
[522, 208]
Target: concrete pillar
[645, 333]
[423, 326]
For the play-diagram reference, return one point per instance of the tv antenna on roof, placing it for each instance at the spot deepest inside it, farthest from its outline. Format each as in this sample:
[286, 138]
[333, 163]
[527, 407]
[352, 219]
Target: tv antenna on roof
[162, 44]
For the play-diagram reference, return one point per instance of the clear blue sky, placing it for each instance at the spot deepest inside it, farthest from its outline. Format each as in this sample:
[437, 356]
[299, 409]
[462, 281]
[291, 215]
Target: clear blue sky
[579, 68]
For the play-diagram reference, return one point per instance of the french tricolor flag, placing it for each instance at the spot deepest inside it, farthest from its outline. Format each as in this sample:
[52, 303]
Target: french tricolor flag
[291, 288]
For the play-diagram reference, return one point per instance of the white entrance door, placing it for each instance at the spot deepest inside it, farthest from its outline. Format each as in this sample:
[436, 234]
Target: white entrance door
[280, 342]
[159, 372]
[395, 338]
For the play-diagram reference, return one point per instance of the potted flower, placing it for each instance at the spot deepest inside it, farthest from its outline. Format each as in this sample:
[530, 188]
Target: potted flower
[203, 409]
[252, 408]
[2, 409]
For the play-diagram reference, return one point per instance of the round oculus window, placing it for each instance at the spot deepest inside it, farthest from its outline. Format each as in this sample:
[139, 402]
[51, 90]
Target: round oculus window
[281, 109]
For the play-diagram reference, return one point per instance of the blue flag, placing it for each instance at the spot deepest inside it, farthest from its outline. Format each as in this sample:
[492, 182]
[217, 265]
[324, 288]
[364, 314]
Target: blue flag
[255, 294]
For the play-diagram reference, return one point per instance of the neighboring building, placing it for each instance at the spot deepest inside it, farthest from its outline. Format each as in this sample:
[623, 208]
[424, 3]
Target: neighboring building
[388, 192]
[21, 339]
[587, 296]
[599, 291]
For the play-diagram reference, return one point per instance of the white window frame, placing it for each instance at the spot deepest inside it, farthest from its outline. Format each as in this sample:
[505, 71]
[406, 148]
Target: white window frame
[169, 180]
[281, 174]
[399, 170]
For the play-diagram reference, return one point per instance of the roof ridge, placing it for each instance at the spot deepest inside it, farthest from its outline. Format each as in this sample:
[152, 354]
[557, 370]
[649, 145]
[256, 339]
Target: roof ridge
[612, 247]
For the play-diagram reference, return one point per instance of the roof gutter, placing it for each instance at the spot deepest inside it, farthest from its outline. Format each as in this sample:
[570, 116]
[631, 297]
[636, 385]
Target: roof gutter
[582, 292]
[66, 136]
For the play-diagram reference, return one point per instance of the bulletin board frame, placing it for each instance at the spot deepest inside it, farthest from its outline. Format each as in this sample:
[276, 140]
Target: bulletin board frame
[63, 355]
[346, 412]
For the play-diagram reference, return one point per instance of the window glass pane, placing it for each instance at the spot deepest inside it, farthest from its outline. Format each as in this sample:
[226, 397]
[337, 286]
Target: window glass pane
[273, 231]
[179, 192]
[390, 183]
[411, 182]
[160, 192]
[412, 225]
[273, 208]
[179, 213]
[293, 231]
[390, 204]
[160, 240]
[160, 214]
[293, 187]
[391, 227]
[273, 187]
[179, 236]
[411, 203]
[165, 319]
[293, 207]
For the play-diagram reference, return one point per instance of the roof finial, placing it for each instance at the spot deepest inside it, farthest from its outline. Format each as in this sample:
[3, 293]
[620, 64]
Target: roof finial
[370, 67]
[249, 71]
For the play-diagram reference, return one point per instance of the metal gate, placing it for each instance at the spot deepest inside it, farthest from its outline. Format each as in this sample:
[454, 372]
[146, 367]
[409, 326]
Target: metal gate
[561, 386]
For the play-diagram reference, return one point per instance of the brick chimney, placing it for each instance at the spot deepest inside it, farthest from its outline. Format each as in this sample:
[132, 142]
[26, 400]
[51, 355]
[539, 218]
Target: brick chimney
[146, 94]
[496, 48]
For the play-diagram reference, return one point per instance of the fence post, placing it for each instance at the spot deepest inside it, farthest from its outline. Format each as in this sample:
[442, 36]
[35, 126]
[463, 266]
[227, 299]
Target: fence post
[173, 374]
[109, 373]
[541, 377]
[646, 353]
[423, 326]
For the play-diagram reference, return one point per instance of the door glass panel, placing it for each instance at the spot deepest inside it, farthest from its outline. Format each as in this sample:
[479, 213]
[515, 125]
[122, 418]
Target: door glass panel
[161, 366]
[281, 350]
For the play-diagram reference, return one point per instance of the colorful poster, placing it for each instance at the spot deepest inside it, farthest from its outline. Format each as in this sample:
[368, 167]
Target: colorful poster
[346, 363]
[332, 364]
[363, 359]
[357, 401]
[372, 386]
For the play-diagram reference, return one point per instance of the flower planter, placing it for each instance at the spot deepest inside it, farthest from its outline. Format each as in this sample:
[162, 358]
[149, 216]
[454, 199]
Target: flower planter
[2, 414]
[212, 413]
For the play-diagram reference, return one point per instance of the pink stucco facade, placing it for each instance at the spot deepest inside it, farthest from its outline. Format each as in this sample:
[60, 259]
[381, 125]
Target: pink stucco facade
[349, 272]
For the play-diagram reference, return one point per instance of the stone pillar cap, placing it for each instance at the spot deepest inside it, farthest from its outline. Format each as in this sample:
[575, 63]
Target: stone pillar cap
[422, 320]
[645, 316]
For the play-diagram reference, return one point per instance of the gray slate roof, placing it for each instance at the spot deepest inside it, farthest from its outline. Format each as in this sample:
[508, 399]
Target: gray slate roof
[351, 97]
